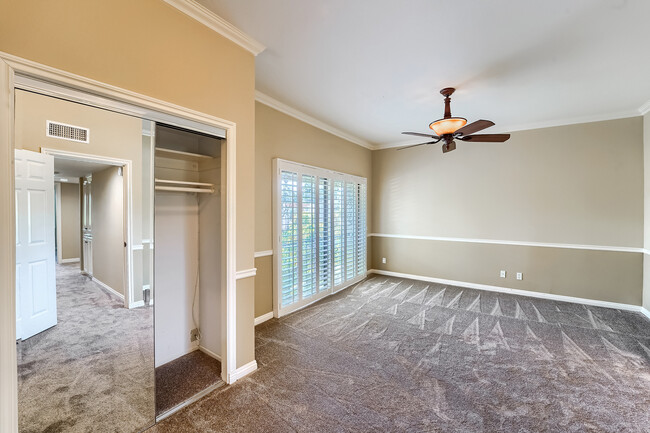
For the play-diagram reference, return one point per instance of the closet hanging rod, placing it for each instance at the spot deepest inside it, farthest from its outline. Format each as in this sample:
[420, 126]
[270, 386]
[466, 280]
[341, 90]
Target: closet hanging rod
[181, 189]
[183, 182]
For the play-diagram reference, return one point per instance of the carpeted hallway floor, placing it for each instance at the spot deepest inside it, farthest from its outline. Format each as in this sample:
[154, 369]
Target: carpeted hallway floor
[399, 355]
[93, 371]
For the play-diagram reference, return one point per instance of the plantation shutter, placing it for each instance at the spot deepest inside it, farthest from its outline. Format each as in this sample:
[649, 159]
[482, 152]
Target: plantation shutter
[320, 228]
[289, 229]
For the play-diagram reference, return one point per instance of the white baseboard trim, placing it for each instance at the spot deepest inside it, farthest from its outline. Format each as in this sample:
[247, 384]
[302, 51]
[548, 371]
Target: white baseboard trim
[136, 304]
[645, 312]
[70, 260]
[554, 297]
[263, 318]
[210, 353]
[242, 371]
[189, 401]
[109, 288]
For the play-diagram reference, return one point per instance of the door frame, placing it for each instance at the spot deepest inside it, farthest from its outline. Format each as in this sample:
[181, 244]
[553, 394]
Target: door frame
[127, 215]
[10, 67]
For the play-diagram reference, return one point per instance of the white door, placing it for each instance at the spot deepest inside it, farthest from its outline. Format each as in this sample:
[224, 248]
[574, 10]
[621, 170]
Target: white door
[35, 247]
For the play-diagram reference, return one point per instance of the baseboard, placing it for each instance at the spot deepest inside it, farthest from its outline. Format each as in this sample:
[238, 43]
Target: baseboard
[69, 260]
[190, 400]
[136, 304]
[242, 371]
[563, 298]
[263, 318]
[645, 312]
[210, 353]
[109, 288]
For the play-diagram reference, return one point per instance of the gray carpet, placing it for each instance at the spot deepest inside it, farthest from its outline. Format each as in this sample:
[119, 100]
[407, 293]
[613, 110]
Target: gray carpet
[184, 377]
[398, 355]
[93, 371]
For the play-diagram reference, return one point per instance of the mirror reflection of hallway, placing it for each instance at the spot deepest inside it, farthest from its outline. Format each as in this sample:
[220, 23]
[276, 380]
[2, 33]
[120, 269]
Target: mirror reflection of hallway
[92, 369]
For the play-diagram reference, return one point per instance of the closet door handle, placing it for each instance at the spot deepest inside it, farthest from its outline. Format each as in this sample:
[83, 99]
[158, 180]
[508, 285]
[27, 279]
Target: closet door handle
[124, 244]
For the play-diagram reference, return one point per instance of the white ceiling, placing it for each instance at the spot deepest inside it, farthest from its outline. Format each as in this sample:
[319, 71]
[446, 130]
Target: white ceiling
[373, 68]
[74, 169]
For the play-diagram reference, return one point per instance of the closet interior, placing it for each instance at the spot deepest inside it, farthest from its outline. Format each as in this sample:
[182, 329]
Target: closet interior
[188, 277]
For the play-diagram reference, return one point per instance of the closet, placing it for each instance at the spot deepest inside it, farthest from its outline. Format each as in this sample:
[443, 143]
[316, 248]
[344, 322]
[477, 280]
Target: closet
[187, 276]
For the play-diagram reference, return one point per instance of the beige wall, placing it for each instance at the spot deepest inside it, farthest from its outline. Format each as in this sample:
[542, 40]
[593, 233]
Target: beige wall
[598, 275]
[112, 135]
[578, 184]
[70, 221]
[107, 215]
[151, 48]
[281, 136]
[264, 285]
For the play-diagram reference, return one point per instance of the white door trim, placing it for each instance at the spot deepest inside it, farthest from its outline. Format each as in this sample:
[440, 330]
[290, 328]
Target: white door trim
[57, 201]
[10, 66]
[128, 208]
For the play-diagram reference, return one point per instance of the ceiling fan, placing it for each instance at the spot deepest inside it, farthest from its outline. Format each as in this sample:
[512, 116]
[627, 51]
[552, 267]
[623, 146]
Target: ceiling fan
[451, 128]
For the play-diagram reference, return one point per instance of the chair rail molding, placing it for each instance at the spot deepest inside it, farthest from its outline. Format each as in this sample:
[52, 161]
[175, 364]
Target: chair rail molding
[246, 273]
[508, 242]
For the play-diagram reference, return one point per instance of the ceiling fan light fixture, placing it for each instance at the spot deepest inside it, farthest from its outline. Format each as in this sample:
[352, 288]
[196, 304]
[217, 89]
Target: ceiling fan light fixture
[448, 125]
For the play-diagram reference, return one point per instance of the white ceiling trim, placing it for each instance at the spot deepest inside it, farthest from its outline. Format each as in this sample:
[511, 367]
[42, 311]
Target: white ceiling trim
[540, 125]
[284, 108]
[209, 19]
[645, 108]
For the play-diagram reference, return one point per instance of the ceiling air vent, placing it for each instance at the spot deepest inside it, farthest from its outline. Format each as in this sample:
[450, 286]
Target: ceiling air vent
[68, 132]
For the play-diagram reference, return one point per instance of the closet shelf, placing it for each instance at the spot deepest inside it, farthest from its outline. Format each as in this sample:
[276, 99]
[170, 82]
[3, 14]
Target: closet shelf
[177, 154]
[183, 186]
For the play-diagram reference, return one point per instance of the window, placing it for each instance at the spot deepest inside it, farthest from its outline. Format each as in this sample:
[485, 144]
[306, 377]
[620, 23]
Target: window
[320, 232]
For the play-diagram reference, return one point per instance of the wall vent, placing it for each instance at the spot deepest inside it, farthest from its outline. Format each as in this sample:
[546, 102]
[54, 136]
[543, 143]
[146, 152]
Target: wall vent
[68, 132]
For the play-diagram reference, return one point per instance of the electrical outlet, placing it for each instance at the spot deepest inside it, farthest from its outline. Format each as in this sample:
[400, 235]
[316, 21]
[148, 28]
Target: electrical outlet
[520, 276]
[502, 274]
[194, 335]
[383, 260]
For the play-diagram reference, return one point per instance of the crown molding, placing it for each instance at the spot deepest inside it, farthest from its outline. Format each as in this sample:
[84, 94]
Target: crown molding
[569, 121]
[209, 19]
[398, 144]
[290, 111]
[286, 109]
[645, 108]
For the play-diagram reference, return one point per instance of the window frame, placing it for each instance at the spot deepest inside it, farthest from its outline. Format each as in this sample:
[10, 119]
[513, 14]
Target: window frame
[361, 229]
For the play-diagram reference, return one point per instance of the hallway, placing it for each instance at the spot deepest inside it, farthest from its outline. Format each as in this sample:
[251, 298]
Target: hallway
[96, 363]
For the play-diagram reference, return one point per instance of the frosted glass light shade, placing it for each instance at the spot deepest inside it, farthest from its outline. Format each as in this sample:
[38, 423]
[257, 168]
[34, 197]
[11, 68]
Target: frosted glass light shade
[448, 126]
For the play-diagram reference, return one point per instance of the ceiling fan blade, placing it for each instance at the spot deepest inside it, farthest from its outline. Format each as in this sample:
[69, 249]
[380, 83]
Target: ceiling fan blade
[448, 146]
[486, 138]
[418, 134]
[473, 127]
[416, 145]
